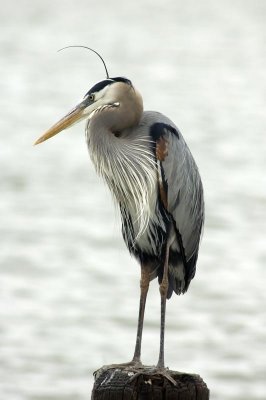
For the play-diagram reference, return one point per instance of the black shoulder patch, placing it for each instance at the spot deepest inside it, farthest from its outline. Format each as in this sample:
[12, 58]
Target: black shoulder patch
[158, 129]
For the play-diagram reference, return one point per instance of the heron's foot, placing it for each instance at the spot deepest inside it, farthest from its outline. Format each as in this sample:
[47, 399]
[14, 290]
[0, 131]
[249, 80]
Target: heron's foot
[154, 372]
[133, 366]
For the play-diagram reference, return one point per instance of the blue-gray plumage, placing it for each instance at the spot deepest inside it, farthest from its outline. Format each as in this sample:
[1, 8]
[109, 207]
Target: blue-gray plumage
[153, 177]
[180, 206]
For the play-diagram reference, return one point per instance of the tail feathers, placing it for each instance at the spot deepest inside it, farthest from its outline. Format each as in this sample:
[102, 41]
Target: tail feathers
[179, 275]
[176, 274]
[190, 269]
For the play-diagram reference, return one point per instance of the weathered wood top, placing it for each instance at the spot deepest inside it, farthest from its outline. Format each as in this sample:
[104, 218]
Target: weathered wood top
[120, 383]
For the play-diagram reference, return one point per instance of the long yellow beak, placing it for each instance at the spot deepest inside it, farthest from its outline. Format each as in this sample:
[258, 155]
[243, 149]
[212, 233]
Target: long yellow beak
[67, 121]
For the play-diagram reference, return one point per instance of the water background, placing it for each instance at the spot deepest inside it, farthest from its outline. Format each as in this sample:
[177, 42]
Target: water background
[68, 287]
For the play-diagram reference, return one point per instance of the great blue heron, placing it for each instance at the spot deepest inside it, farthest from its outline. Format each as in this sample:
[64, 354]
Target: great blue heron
[152, 175]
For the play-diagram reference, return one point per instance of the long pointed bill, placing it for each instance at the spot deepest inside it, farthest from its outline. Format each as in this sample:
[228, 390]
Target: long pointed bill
[67, 121]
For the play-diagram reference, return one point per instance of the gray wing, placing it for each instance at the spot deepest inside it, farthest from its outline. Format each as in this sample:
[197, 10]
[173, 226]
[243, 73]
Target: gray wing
[181, 191]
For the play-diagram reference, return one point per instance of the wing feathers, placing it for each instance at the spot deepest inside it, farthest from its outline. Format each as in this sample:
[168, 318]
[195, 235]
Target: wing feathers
[181, 194]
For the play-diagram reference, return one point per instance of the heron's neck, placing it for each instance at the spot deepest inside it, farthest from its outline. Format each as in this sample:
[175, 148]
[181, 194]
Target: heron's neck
[108, 142]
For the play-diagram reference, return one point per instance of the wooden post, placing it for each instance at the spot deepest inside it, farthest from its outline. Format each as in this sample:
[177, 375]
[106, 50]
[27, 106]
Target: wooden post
[122, 383]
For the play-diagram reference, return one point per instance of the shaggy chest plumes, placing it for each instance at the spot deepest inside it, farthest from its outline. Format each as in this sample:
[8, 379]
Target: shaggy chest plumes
[128, 166]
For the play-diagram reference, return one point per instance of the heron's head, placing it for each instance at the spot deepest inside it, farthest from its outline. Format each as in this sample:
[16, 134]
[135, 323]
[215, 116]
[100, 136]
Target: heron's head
[115, 96]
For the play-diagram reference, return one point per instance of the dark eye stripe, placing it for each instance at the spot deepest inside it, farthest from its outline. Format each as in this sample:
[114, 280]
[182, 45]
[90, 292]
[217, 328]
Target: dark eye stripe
[100, 85]
[121, 79]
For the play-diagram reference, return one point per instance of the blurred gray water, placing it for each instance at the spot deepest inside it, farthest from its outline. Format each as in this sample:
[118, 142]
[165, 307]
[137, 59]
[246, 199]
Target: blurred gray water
[68, 287]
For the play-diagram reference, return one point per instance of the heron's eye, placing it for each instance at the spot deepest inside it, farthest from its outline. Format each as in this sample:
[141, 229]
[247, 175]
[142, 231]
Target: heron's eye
[91, 97]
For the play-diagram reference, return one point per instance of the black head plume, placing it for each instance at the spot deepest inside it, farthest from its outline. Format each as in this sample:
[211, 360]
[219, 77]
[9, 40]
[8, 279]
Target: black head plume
[94, 51]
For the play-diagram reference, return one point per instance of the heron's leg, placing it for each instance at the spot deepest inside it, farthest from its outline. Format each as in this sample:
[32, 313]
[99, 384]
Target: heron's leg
[163, 292]
[144, 287]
